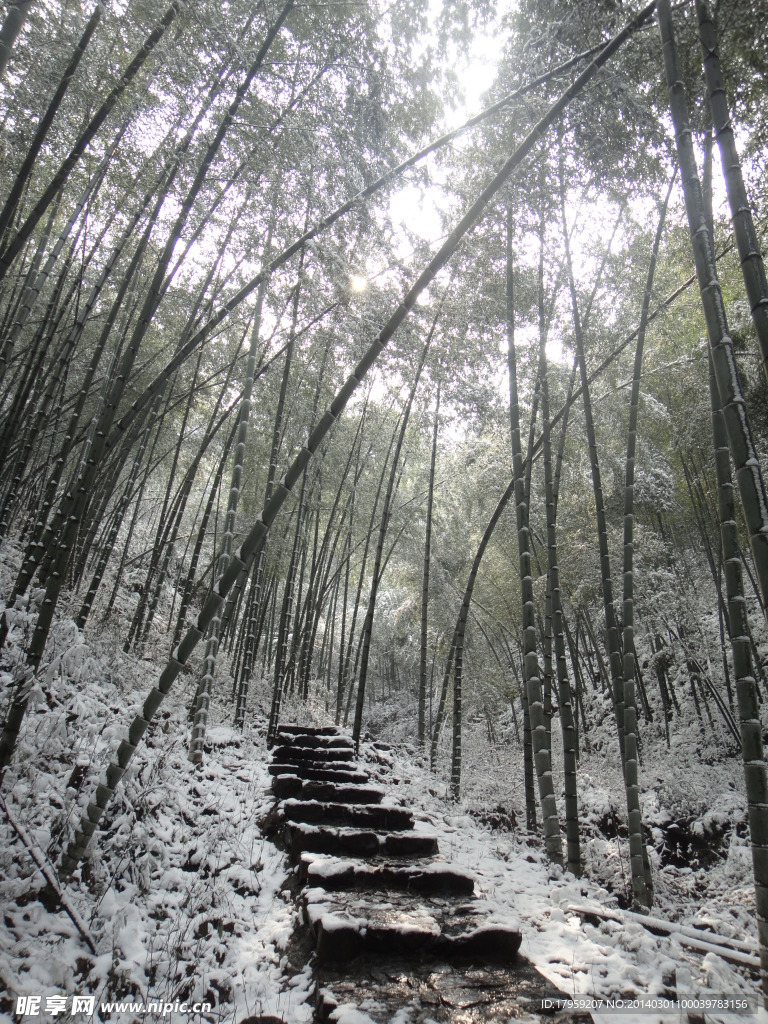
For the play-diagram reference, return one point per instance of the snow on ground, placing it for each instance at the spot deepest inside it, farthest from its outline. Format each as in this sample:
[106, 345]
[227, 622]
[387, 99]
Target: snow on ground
[609, 959]
[184, 900]
[183, 897]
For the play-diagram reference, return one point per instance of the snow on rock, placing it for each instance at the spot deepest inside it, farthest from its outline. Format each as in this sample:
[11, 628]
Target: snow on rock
[350, 1014]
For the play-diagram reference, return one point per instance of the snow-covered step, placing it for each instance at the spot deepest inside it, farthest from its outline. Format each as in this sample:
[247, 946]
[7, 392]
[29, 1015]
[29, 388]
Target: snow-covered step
[344, 927]
[291, 753]
[328, 773]
[373, 816]
[352, 842]
[427, 876]
[308, 769]
[286, 786]
[346, 842]
[309, 730]
[409, 844]
[307, 739]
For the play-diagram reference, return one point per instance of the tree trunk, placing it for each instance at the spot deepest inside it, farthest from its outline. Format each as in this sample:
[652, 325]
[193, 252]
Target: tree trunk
[24, 172]
[277, 437]
[614, 654]
[568, 726]
[641, 889]
[751, 259]
[203, 696]
[531, 676]
[425, 579]
[59, 179]
[12, 26]
[385, 517]
[747, 465]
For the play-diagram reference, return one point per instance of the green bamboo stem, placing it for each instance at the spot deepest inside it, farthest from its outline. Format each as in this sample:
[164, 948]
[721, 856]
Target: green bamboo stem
[554, 604]
[731, 434]
[750, 256]
[745, 460]
[542, 754]
[641, 890]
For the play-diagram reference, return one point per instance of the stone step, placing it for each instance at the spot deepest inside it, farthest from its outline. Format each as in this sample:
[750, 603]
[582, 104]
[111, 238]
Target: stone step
[306, 769]
[345, 927]
[410, 844]
[300, 838]
[334, 873]
[315, 742]
[309, 730]
[351, 842]
[292, 754]
[327, 773]
[286, 786]
[425, 990]
[374, 816]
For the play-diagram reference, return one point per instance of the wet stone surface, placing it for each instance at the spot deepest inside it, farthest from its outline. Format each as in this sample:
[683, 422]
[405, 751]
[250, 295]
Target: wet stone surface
[427, 989]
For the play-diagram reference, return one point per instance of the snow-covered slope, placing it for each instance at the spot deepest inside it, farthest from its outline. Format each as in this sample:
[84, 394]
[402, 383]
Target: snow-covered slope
[185, 901]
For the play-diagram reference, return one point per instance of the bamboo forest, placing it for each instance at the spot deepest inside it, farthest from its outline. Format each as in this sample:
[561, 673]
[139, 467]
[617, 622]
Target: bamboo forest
[383, 511]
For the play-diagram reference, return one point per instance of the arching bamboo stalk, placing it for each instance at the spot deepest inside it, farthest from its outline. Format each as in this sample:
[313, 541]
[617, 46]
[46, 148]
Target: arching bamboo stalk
[23, 174]
[601, 56]
[76, 850]
[61, 176]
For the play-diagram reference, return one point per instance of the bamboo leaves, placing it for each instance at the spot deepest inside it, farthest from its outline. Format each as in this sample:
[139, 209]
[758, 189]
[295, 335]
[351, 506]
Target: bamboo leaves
[254, 540]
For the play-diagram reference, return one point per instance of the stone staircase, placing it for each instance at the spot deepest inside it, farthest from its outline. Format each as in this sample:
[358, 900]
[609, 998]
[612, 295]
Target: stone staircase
[398, 932]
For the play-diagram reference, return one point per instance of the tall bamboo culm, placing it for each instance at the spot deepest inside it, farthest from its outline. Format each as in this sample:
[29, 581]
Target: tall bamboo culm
[752, 266]
[531, 674]
[203, 695]
[567, 723]
[641, 880]
[729, 409]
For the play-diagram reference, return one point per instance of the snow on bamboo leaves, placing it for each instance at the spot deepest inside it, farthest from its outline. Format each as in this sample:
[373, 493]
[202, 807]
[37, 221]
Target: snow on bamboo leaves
[255, 538]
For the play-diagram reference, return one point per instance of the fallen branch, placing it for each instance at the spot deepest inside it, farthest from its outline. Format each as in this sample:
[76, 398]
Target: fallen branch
[47, 872]
[738, 952]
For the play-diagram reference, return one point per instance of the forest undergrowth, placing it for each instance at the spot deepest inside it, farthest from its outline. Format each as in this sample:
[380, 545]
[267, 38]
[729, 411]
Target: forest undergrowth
[184, 900]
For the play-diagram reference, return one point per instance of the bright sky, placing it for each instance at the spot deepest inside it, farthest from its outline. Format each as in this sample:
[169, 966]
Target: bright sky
[416, 207]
